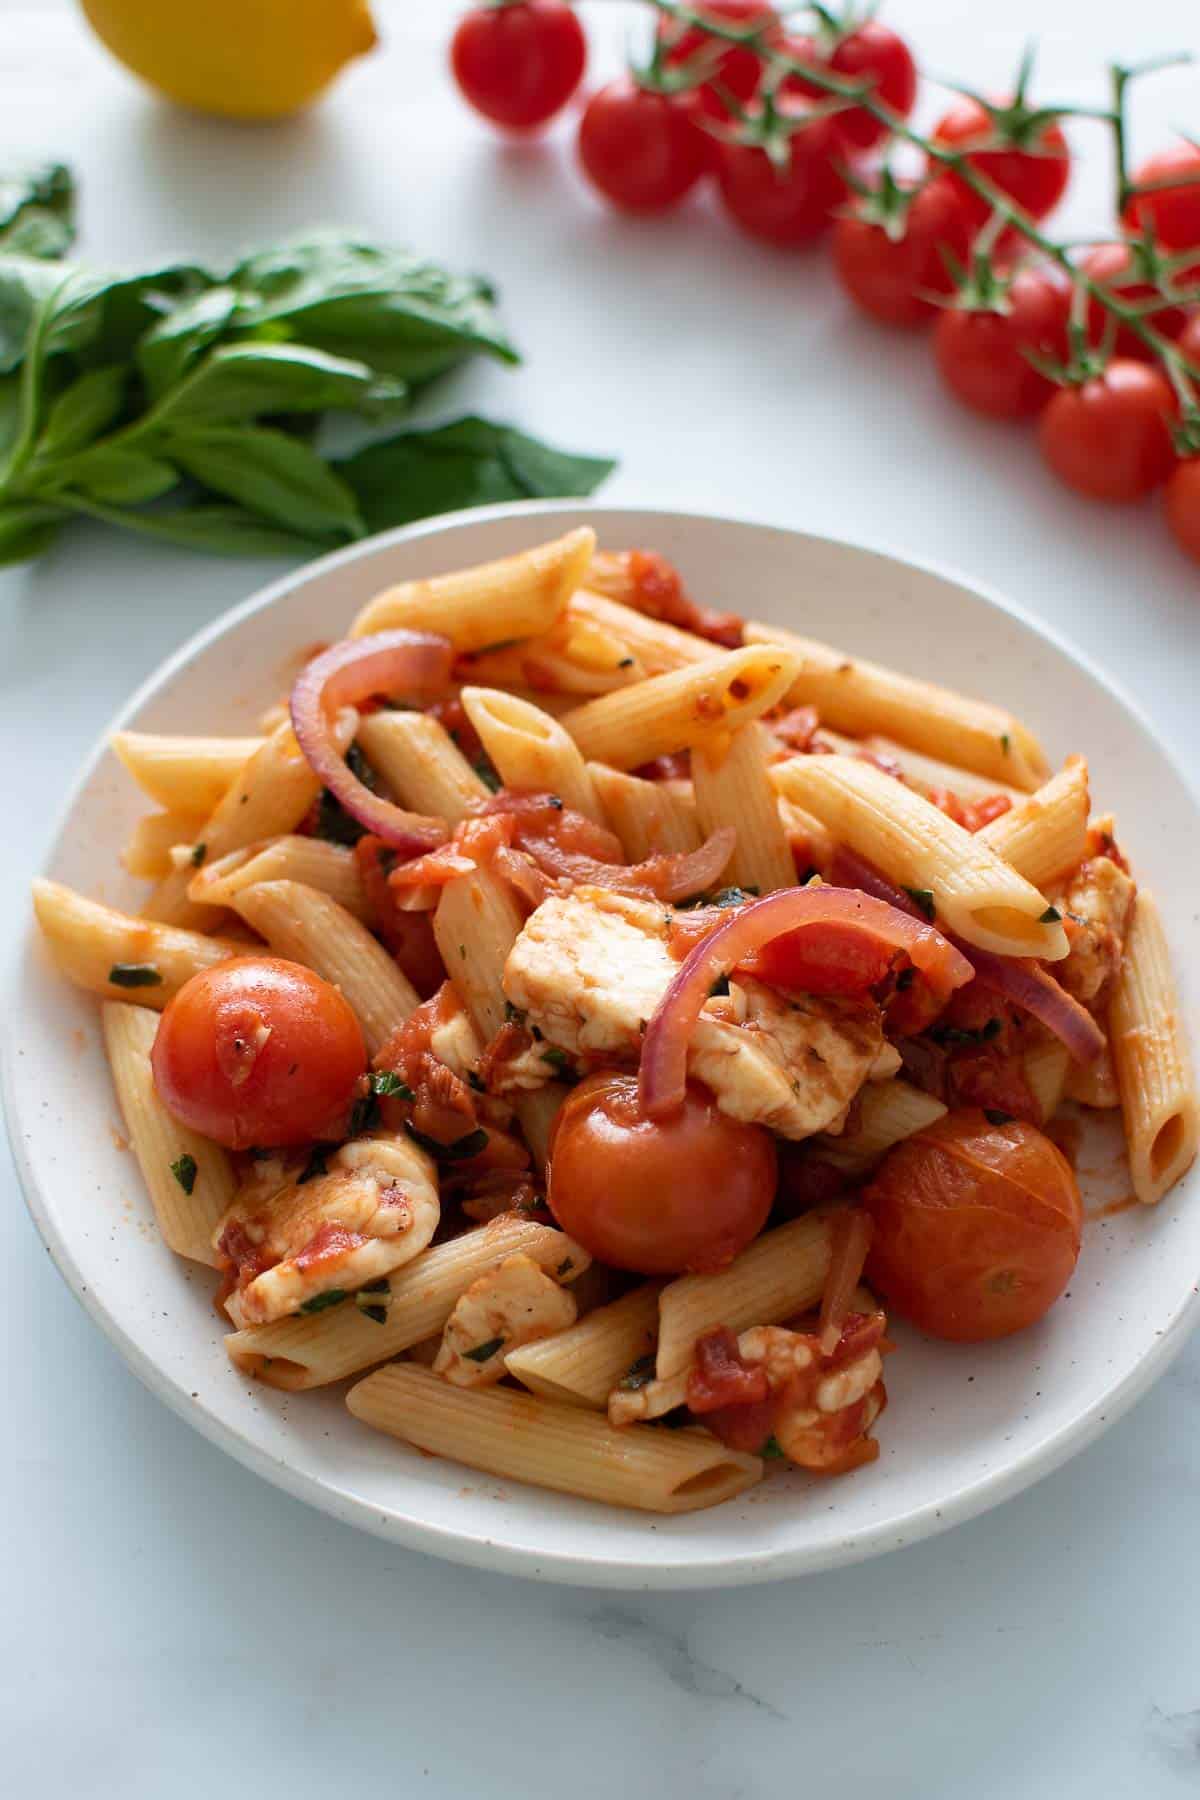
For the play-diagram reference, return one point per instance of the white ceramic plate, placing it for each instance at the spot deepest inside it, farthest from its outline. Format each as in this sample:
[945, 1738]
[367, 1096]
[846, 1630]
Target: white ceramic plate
[967, 1426]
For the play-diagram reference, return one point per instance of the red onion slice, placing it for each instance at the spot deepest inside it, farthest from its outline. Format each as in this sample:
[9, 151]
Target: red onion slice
[662, 877]
[390, 662]
[664, 1049]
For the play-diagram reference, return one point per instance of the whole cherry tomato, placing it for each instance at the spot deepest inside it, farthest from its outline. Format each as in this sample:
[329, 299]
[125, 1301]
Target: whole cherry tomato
[1115, 266]
[1032, 171]
[519, 64]
[873, 54]
[977, 1227]
[259, 1051]
[790, 203]
[981, 354]
[640, 148]
[1173, 212]
[890, 277]
[1110, 437]
[659, 1197]
[733, 69]
[1183, 506]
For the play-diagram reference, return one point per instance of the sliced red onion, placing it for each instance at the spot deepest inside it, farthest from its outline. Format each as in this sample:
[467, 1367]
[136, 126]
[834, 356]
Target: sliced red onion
[663, 1075]
[665, 877]
[390, 662]
[1036, 992]
[853, 871]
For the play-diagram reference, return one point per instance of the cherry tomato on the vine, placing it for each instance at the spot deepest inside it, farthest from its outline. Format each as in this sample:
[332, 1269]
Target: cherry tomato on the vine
[892, 277]
[981, 354]
[519, 64]
[790, 203]
[1110, 436]
[259, 1051]
[657, 1196]
[1183, 506]
[640, 148]
[1173, 212]
[734, 69]
[873, 54]
[1115, 267]
[1034, 174]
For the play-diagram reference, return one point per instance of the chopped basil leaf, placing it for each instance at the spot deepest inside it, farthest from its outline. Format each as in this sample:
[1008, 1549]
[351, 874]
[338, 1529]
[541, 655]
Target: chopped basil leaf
[905, 979]
[377, 1314]
[640, 1373]
[923, 899]
[199, 852]
[364, 1115]
[382, 1286]
[461, 1148]
[565, 1266]
[484, 1352]
[554, 1056]
[951, 1034]
[773, 1448]
[316, 1165]
[184, 1171]
[334, 823]
[626, 662]
[1005, 742]
[1051, 916]
[318, 1303]
[133, 975]
[500, 644]
[720, 986]
[389, 1086]
[487, 774]
[994, 1116]
[474, 1082]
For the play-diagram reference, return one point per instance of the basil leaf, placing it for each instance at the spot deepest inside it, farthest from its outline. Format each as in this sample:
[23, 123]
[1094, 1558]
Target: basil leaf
[27, 529]
[481, 1353]
[134, 975]
[117, 477]
[37, 207]
[170, 348]
[83, 410]
[319, 1302]
[922, 899]
[239, 381]
[272, 474]
[469, 1145]
[223, 530]
[184, 1171]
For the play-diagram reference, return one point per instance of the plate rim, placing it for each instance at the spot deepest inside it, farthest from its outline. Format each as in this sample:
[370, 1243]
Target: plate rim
[475, 1550]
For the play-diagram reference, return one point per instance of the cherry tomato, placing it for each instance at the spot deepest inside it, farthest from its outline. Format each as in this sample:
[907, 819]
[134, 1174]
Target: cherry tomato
[519, 64]
[641, 149]
[789, 205]
[890, 277]
[1173, 213]
[663, 1197]
[1183, 506]
[735, 69]
[873, 53]
[981, 355]
[977, 1227]
[1110, 438]
[1034, 176]
[258, 1051]
[1112, 265]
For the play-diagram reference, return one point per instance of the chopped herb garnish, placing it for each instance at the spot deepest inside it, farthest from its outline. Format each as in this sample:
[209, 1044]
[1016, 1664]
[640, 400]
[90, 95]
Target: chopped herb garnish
[462, 951]
[905, 979]
[1051, 916]
[626, 662]
[484, 1352]
[730, 896]
[719, 987]
[640, 1373]
[334, 823]
[199, 852]
[316, 1165]
[554, 1056]
[565, 1266]
[184, 1171]
[500, 644]
[389, 1086]
[952, 1034]
[513, 1014]
[319, 1302]
[922, 898]
[377, 1313]
[1005, 742]
[458, 1151]
[773, 1449]
[474, 1082]
[487, 774]
[382, 1084]
[382, 1286]
[994, 1116]
[133, 975]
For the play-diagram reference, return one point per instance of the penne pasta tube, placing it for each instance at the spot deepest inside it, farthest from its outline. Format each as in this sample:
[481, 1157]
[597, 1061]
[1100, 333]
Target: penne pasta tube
[536, 1112]
[184, 774]
[732, 787]
[1153, 1063]
[269, 797]
[531, 751]
[147, 854]
[421, 763]
[311, 1350]
[975, 894]
[888, 1112]
[309, 927]
[476, 925]
[925, 773]
[781, 1273]
[864, 698]
[518, 597]
[581, 1366]
[647, 816]
[330, 867]
[680, 710]
[522, 1438]
[1044, 836]
[656, 647]
[190, 1179]
[119, 956]
[1046, 1068]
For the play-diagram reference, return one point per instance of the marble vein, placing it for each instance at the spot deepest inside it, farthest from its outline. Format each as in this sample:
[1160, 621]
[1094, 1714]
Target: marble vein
[669, 1651]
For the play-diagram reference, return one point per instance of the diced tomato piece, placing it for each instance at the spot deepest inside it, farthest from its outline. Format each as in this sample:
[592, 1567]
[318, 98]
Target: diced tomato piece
[823, 959]
[721, 1377]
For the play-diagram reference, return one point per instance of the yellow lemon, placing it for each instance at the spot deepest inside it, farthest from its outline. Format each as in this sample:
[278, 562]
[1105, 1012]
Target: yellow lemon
[246, 59]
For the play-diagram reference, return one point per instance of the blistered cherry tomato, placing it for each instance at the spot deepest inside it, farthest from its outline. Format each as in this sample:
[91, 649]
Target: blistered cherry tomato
[660, 1197]
[981, 355]
[790, 204]
[259, 1051]
[641, 149]
[890, 278]
[1110, 437]
[519, 64]
[1173, 212]
[1035, 175]
[977, 1227]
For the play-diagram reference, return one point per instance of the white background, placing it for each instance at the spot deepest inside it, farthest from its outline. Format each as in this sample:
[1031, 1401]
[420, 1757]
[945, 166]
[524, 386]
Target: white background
[169, 1626]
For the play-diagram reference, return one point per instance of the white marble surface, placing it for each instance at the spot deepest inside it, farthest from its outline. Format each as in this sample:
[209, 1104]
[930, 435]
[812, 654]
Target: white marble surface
[167, 1622]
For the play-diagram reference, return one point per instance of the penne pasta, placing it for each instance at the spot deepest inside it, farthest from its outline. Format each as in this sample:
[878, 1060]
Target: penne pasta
[580, 1367]
[190, 1179]
[518, 597]
[522, 1438]
[330, 867]
[683, 709]
[184, 774]
[916, 846]
[421, 763]
[781, 1273]
[656, 647]
[476, 925]
[532, 752]
[1153, 1063]
[888, 1112]
[1044, 836]
[864, 698]
[309, 927]
[926, 773]
[732, 787]
[312, 1350]
[118, 956]
[648, 817]
[147, 854]
[536, 1113]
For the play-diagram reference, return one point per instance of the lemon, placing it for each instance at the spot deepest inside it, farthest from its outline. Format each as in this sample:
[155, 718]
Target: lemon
[246, 59]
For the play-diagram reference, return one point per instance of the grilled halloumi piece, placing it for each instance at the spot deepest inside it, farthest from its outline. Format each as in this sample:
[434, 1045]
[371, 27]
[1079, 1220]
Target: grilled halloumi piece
[516, 1303]
[371, 1209]
[589, 969]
